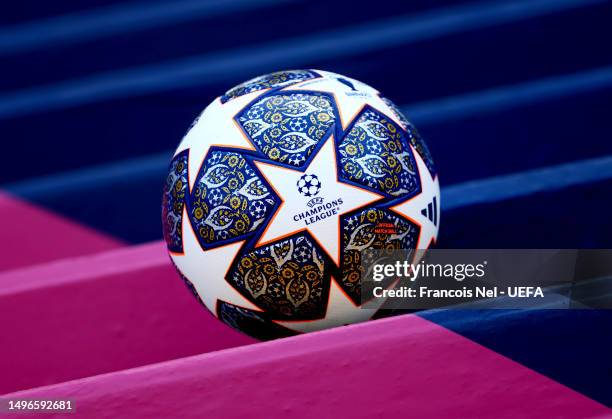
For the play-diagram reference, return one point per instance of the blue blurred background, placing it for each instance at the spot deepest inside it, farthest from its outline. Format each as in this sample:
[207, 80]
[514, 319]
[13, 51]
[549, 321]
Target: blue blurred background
[95, 95]
[513, 98]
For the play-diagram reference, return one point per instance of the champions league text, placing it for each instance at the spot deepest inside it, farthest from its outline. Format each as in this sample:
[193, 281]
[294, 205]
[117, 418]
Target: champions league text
[319, 212]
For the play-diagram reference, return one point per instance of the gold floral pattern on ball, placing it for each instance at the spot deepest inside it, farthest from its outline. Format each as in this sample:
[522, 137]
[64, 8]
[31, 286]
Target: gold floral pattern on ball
[173, 201]
[229, 199]
[378, 229]
[413, 136]
[285, 279]
[286, 127]
[374, 153]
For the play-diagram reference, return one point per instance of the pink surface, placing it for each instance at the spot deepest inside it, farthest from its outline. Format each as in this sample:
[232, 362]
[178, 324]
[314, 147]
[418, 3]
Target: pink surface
[105, 312]
[33, 235]
[399, 367]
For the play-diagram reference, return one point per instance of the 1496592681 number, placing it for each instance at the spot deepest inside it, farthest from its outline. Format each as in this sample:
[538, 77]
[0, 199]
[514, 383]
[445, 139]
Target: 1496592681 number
[15, 405]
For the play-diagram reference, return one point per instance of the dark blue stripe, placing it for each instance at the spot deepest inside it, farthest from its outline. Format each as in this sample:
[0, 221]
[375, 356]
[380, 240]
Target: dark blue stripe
[214, 68]
[506, 97]
[116, 19]
[531, 182]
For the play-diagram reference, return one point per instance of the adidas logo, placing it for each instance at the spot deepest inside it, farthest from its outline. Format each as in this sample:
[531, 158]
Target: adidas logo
[431, 212]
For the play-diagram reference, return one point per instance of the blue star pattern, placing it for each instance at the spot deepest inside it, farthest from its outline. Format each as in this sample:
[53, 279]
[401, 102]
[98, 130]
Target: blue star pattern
[173, 201]
[286, 279]
[374, 153]
[229, 199]
[287, 126]
[413, 136]
[272, 80]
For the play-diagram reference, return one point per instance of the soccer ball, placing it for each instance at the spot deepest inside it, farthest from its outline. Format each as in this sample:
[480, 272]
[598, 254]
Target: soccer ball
[279, 186]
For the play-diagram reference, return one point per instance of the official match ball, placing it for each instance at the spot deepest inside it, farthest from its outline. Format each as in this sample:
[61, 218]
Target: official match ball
[279, 187]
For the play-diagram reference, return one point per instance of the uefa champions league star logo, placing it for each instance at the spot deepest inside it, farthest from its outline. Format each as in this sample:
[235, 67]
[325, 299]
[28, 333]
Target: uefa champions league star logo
[308, 185]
